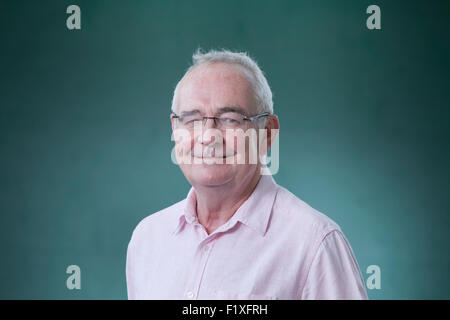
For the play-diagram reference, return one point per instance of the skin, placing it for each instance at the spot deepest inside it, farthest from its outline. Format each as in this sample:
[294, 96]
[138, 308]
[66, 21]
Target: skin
[220, 188]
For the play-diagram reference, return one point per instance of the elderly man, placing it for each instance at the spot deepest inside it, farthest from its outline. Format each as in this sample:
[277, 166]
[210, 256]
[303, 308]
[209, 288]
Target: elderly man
[237, 235]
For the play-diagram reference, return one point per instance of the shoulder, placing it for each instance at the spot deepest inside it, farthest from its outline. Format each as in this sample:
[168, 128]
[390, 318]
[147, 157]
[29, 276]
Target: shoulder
[295, 215]
[160, 222]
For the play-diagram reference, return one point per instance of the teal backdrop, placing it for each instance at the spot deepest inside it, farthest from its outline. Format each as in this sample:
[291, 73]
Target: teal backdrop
[85, 137]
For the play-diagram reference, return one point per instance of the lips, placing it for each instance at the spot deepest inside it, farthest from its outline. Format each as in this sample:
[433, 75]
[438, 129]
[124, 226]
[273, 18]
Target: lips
[210, 153]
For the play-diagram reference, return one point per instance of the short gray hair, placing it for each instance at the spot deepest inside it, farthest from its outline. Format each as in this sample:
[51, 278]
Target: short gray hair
[261, 88]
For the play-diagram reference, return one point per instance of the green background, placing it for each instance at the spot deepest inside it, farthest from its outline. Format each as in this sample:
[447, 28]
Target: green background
[85, 135]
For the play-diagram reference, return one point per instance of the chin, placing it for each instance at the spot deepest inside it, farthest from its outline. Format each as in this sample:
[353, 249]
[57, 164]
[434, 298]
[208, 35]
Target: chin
[209, 175]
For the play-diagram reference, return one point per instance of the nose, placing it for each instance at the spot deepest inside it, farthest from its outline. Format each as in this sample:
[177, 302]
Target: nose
[210, 132]
[209, 122]
[206, 138]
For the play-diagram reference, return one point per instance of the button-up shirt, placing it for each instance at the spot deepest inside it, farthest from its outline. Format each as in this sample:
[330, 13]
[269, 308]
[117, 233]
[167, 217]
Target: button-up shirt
[275, 246]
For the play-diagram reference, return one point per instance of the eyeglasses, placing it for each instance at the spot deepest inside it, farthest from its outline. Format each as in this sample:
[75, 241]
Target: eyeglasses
[227, 120]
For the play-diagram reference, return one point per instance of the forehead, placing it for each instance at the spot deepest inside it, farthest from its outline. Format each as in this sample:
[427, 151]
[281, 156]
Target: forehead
[212, 86]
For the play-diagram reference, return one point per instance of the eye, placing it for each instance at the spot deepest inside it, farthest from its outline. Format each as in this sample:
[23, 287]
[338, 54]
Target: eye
[189, 120]
[230, 120]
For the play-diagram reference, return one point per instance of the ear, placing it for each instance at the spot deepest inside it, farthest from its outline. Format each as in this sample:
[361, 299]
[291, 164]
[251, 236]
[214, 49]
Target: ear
[172, 122]
[272, 126]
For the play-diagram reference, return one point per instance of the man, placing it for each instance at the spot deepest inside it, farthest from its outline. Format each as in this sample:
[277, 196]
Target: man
[237, 235]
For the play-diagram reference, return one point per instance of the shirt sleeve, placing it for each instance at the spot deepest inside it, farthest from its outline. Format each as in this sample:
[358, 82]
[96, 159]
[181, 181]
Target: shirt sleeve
[334, 273]
[129, 272]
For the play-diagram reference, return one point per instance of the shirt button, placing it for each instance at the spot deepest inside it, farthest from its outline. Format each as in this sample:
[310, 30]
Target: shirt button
[206, 248]
[190, 294]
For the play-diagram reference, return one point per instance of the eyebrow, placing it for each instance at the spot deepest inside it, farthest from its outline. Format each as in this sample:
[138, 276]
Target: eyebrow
[237, 109]
[225, 109]
[189, 113]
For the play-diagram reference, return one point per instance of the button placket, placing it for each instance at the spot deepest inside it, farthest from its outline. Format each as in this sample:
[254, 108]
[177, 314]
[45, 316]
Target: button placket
[202, 255]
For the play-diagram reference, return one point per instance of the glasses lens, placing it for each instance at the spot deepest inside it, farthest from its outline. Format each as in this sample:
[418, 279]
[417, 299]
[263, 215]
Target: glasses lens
[231, 120]
[189, 121]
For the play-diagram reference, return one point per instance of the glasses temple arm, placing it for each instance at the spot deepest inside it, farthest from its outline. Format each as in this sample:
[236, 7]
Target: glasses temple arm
[257, 116]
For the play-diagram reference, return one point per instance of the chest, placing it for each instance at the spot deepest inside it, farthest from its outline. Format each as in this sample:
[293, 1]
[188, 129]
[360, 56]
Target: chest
[231, 266]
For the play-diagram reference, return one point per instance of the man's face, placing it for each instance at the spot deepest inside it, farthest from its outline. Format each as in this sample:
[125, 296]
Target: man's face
[207, 90]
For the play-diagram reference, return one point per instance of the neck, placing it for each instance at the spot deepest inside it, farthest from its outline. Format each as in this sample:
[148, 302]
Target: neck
[216, 205]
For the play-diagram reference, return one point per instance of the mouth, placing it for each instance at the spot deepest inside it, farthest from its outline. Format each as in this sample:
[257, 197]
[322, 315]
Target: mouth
[210, 153]
[212, 157]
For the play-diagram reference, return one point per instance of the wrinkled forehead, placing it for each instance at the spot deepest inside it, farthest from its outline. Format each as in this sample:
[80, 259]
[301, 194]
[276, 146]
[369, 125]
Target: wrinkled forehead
[213, 86]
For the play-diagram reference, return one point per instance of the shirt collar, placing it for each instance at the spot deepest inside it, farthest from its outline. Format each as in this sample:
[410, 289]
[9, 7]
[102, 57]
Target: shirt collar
[254, 212]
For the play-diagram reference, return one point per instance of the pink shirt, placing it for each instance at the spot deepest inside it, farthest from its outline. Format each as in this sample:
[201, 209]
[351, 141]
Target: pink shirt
[274, 247]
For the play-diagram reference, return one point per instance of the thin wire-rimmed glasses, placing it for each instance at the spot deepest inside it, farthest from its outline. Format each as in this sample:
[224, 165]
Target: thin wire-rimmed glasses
[227, 120]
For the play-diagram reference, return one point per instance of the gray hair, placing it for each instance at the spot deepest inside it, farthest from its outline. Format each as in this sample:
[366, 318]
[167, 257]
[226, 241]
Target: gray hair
[263, 94]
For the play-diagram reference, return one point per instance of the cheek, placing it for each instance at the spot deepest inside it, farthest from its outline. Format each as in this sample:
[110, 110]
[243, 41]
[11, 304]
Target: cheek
[244, 147]
[184, 145]
[230, 144]
[183, 152]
